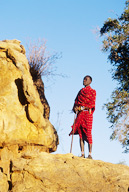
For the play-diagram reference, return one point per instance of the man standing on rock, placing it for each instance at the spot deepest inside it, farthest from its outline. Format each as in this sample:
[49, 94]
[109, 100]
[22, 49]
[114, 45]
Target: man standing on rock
[84, 106]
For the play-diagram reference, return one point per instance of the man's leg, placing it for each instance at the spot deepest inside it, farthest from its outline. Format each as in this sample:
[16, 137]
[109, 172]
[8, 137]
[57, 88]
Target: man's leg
[82, 147]
[90, 150]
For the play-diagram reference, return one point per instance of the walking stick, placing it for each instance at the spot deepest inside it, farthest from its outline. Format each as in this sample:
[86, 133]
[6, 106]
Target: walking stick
[73, 131]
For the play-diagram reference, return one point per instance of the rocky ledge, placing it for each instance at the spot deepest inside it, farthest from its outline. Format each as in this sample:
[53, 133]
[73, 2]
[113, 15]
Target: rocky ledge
[40, 171]
[27, 138]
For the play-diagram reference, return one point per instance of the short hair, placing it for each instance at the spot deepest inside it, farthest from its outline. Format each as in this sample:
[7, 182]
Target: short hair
[89, 77]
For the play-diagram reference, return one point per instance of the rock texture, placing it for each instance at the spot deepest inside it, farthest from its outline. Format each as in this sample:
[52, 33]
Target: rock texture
[37, 79]
[26, 138]
[21, 111]
[44, 172]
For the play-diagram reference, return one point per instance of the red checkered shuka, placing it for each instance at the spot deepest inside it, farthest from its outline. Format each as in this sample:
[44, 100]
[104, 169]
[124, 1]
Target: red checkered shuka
[83, 123]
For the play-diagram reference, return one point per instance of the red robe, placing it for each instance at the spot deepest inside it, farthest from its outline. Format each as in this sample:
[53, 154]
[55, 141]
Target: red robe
[83, 123]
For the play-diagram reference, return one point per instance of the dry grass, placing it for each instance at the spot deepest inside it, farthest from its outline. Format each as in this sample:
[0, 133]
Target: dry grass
[40, 60]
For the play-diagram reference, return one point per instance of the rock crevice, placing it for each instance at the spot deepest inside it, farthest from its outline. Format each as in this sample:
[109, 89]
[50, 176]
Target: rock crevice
[27, 137]
[22, 119]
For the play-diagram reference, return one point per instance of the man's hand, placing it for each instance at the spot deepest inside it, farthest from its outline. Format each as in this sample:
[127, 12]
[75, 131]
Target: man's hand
[75, 108]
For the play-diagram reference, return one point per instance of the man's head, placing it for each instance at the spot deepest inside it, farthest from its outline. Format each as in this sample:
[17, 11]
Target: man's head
[87, 80]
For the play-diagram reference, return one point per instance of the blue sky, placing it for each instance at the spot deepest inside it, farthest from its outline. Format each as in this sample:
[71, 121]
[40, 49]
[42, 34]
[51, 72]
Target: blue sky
[68, 26]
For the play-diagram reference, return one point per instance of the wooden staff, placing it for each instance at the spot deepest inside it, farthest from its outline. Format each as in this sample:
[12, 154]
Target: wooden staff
[73, 132]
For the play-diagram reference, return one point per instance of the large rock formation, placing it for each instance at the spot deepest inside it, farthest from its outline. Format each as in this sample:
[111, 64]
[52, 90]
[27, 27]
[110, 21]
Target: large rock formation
[21, 111]
[44, 172]
[26, 137]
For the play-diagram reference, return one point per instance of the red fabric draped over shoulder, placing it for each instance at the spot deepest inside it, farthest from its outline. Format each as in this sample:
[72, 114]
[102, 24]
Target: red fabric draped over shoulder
[86, 97]
[83, 123]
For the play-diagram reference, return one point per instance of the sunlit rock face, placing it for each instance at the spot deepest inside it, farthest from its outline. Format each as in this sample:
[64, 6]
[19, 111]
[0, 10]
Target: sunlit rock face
[33, 171]
[27, 137]
[22, 119]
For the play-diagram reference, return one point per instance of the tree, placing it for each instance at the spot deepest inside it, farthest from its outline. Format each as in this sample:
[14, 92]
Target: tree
[116, 43]
[118, 116]
[41, 64]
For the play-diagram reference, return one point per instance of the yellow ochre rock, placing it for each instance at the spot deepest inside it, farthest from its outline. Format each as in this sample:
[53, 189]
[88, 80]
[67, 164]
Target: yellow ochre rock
[27, 137]
[22, 119]
[40, 171]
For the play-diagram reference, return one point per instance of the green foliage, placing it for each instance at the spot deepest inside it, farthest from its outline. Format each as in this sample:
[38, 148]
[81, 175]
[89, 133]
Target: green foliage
[116, 43]
[118, 116]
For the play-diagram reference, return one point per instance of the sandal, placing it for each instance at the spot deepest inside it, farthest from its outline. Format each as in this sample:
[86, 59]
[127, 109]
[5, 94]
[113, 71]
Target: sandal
[83, 156]
[89, 157]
